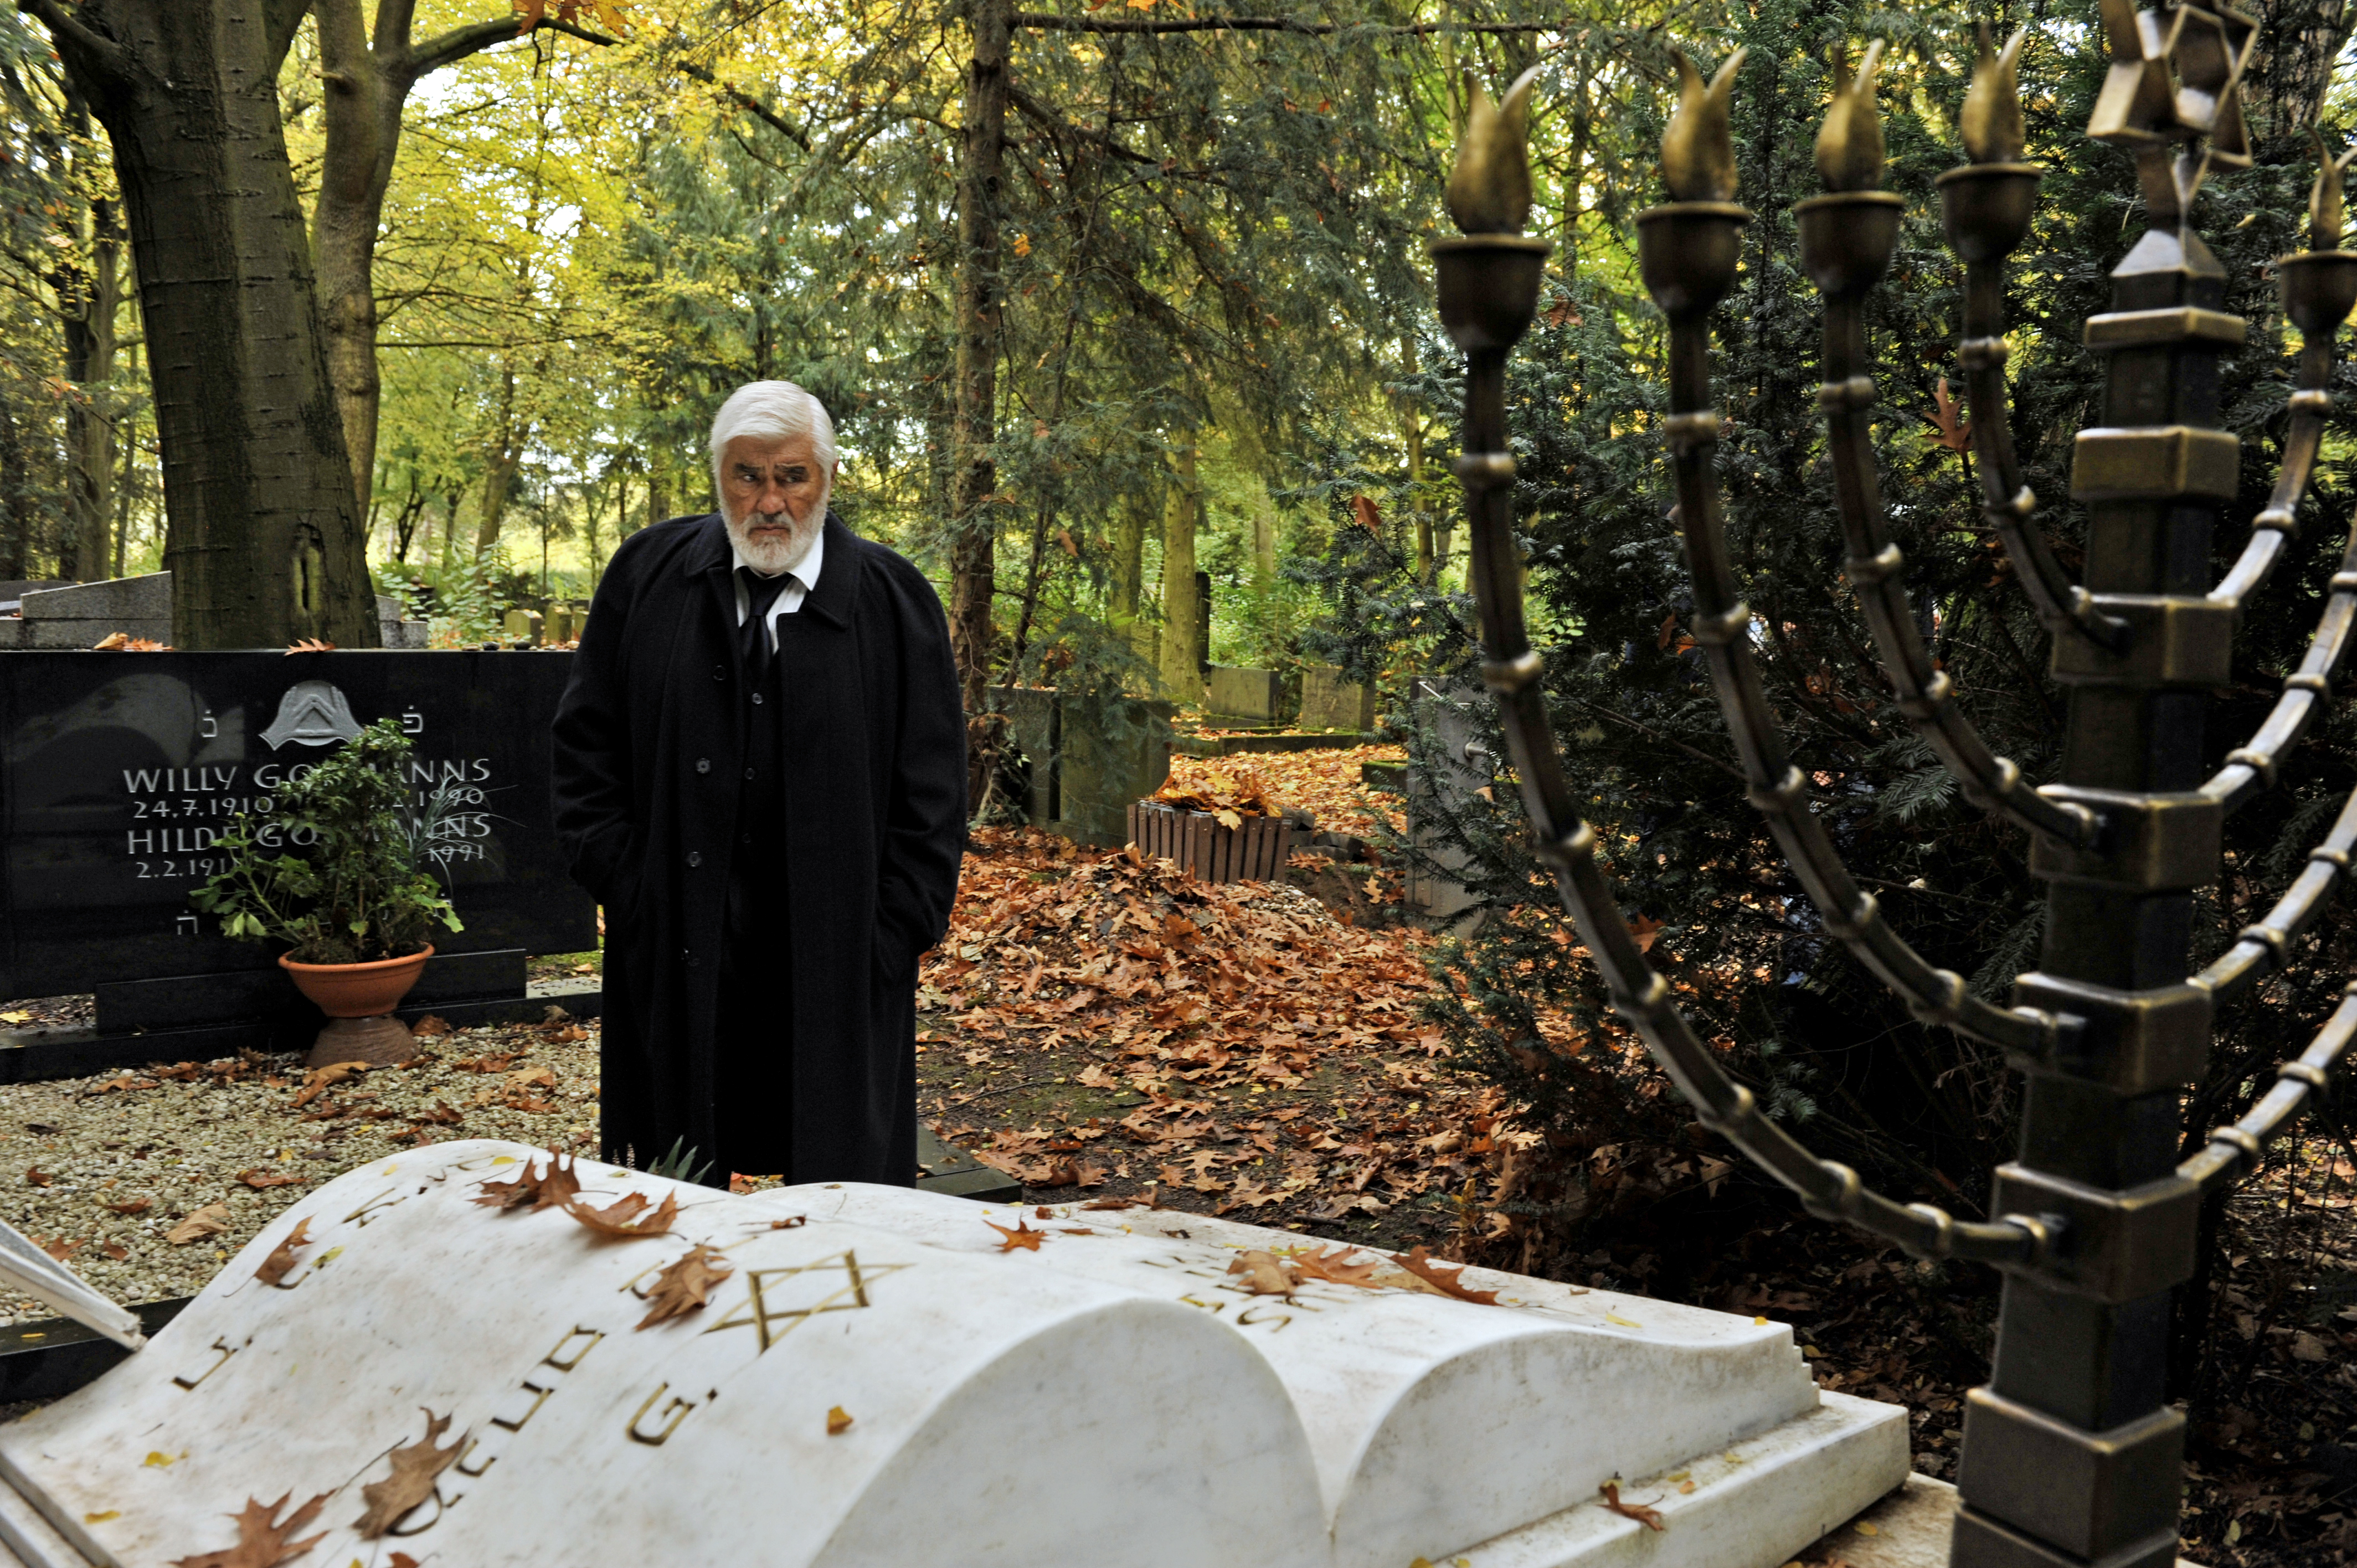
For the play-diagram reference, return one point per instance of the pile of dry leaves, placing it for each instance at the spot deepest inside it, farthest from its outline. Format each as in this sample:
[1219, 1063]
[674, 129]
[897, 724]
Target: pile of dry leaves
[1325, 783]
[1229, 793]
[1237, 1042]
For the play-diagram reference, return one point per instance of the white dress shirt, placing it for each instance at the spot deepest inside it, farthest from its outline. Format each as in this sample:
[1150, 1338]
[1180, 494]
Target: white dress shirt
[802, 577]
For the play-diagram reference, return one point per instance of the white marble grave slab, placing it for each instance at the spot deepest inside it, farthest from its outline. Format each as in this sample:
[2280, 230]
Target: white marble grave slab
[1108, 1399]
[1438, 1424]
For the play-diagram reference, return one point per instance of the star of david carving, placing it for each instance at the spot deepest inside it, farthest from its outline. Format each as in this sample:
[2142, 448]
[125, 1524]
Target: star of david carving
[764, 1308]
[2176, 77]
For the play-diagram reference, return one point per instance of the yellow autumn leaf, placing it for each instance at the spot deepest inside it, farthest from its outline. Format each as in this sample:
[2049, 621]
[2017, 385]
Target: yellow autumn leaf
[1228, 817]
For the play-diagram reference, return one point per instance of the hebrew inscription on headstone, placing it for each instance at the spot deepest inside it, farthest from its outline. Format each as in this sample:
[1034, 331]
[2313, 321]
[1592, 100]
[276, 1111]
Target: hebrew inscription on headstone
[855, 1375]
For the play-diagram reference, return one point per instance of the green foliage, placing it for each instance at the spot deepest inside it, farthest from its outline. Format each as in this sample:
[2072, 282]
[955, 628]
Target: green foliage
[462, 604]
[679, 1163]
[334, 873]
[1825, 1047]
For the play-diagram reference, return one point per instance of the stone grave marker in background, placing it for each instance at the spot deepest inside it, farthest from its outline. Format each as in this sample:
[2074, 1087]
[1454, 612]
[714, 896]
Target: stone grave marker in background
[81, 614]
[1241, 695]
[395, 1366]
[1331, 703]
[118, 772]
[1082, 778]
[1464, 767]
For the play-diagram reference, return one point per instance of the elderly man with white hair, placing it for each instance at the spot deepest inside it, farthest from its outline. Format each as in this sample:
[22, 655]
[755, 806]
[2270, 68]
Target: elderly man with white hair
[761, 773]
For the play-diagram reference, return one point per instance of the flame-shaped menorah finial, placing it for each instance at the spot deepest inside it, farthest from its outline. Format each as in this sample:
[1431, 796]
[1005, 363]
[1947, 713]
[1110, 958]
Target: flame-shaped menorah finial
[1993, 128]
[1849, 146]
[2324, 202]
[1490, 188]
[1698, 144]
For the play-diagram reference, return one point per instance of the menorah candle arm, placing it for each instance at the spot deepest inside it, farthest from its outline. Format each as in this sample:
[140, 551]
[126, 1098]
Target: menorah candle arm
[1986, 209]
[1875, 570]
[2008, 504]
[1486, 305]
[2230, 1149]
[1825, 1187]
[2319, 288]
[2262, 949]
[1722, 628]
[2250, 770]
[2278, 520]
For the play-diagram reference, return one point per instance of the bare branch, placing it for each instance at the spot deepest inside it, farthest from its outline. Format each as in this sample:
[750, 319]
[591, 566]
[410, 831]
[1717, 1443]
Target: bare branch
[747, 103]
[456, 45]
[1055, 124]
[460, 42]
[393, 21]
[100, 55]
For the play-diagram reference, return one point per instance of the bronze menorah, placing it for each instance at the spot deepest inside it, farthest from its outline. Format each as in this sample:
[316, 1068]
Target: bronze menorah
[2071, 1453]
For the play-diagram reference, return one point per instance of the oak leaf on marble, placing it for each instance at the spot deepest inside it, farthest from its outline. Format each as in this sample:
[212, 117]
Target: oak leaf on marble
[1649, 1518]
[544, 1189]
[627, 1215]
[685, 1286]
[209, 1220]
[414, 1468]
[1420, 1263]
[281, 1261]
[838, 1421]
[1334, 1268]
[261, 1536]
[1265, 1273]
[1022, 1236]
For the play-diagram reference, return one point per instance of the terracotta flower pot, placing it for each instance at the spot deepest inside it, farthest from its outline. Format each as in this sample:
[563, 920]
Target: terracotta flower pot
[359, 1000]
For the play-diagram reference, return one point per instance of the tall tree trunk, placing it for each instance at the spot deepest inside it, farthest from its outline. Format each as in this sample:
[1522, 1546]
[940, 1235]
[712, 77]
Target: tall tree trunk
[2290, 68]
[264, 541]
[1182, 610]
[15, 498]
[368, 78]
[90, 424]
[89, 291]
[1430, 552]
[1263, 527]
[361, 110]
[973, 517]
[1128, 570]
[126, 441]
[500, 469]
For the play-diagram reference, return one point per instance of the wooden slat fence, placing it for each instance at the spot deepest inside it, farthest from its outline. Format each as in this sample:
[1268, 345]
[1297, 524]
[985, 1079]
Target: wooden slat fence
[1215, 853]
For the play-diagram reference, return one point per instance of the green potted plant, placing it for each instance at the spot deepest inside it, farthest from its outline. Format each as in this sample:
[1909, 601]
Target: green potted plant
[334, 876]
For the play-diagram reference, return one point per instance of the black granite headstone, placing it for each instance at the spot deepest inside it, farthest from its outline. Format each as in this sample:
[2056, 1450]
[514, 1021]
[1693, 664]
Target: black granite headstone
[119, 770]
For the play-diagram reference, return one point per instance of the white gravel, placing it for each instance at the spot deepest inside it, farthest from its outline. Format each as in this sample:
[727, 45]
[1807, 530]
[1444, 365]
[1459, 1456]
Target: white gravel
[179, 1141]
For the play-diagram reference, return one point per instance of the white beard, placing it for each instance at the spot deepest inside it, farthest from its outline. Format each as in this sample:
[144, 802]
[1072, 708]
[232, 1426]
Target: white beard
[772, 555]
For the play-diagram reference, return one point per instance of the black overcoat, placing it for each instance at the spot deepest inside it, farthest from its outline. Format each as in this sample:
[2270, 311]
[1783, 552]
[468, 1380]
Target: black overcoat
[645, 779]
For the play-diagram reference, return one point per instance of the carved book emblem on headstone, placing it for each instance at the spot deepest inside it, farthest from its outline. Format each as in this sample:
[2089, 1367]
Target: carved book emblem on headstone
[312, 713]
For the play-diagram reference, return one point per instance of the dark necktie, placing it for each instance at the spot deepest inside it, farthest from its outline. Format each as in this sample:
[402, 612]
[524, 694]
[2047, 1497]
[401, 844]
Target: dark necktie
[753, 636]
